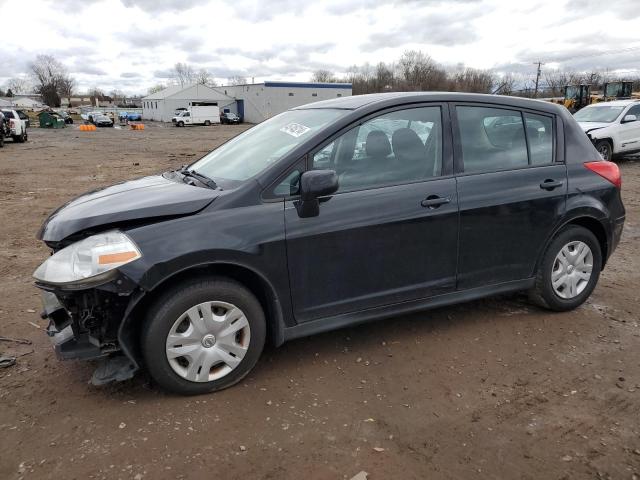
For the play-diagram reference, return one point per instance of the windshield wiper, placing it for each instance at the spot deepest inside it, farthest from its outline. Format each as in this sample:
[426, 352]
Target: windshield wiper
[209, 182]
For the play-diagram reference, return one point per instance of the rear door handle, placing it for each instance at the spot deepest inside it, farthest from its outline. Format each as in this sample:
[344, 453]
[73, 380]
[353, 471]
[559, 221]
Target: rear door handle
[434, 201]
[550, 184]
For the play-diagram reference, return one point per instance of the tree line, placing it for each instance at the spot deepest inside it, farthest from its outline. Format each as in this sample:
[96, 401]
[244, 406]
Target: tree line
[417, 71]
[413, 71]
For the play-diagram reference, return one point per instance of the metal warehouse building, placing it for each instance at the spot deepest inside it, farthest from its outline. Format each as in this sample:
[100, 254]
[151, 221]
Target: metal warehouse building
[161, 106]
[253, 102]
[258, 101]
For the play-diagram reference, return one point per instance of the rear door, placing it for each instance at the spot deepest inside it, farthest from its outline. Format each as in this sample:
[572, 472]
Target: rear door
[512, 187]
[390, 233]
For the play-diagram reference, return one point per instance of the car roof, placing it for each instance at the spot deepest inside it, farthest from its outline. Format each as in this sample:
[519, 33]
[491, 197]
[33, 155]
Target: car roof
[356, 102]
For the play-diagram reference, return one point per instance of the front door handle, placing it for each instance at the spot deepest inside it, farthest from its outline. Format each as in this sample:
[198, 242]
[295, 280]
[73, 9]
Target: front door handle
[434, 201]
[550, 184]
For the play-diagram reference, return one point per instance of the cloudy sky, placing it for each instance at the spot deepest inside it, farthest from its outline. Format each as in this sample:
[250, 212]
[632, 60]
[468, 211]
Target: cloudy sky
[133, 44]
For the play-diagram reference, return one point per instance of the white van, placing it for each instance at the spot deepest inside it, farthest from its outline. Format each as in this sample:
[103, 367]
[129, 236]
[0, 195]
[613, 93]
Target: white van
[197, 115]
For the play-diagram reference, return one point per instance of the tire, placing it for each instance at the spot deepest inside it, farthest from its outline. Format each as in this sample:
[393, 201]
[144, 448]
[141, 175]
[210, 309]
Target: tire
[181, 124]
[207, 123]
[1, 139]
[571, 288]
[604, 149]
[173, 314]
[18, 138]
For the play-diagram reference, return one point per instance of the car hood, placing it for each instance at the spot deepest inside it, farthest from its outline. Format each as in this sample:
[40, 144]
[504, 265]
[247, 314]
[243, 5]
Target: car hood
[588, 126]
[136, 200]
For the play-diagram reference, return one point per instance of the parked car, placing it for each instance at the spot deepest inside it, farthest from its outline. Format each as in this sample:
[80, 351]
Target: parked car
[66, 117]
[25, 117]
[613, 127]
[3, 129]
[101, 120]
[88, 117]
[229, 118]
[197, 115]
[289, 230]
[130, 116]
[15, 127]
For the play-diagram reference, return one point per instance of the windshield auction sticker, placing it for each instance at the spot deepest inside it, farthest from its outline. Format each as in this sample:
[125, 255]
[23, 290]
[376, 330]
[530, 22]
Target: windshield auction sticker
[295, 129]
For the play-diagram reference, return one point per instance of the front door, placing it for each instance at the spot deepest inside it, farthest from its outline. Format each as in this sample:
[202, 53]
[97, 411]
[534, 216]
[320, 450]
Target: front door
[390, 232]
[511, 192]
[630, 132]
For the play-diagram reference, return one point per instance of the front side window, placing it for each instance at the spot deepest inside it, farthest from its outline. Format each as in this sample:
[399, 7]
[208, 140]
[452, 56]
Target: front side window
[258, 148]
[398, 147]
[634, 111]
[491, 139]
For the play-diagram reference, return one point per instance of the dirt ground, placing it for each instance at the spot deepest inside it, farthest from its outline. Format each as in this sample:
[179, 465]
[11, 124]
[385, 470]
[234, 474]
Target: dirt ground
[490, 389]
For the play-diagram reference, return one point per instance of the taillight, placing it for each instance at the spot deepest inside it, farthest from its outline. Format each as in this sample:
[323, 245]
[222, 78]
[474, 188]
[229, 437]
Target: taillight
[607, 170]
[12, 123]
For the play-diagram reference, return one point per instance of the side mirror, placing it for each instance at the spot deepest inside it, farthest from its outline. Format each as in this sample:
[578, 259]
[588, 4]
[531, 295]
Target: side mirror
[629, 118]
[315, 184]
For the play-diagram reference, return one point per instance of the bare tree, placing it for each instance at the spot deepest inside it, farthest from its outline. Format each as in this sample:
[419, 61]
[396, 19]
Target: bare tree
[204, 77]
[96, 92]
[66, 86]
[323, 76]
[156, 88]
[49, 74]
[237, 80]
[184, 74]
[18, 85]
[472, 80]
[506, 85]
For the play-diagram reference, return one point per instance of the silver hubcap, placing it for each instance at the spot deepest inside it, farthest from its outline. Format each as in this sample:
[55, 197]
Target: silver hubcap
[208, 341]
[572, 269]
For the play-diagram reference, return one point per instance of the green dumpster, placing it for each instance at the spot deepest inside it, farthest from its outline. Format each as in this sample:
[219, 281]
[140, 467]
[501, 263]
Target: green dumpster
[50, 120]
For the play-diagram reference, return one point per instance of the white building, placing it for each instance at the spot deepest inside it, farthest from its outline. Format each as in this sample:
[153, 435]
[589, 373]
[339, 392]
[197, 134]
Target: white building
[161, 106]
[258, 101]
[253, 102]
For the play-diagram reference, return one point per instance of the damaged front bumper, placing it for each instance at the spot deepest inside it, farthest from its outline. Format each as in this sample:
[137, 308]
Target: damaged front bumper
[86, 324]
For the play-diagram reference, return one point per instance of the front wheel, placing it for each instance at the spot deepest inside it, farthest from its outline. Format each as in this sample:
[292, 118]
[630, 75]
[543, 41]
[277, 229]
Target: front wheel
[604, 149]
[181, 124]
[569, 270]
[203, 336]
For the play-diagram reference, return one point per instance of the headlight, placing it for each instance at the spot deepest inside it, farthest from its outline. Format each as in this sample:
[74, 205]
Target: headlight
[88, 261]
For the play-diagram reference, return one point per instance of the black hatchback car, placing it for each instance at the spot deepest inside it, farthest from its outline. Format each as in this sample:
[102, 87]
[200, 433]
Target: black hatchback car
[329, 214]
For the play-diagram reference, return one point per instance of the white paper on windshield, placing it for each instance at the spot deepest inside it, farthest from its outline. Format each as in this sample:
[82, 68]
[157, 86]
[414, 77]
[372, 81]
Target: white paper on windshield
[295, 129]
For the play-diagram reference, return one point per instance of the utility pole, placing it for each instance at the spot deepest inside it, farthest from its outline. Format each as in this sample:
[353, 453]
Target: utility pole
[539, 63]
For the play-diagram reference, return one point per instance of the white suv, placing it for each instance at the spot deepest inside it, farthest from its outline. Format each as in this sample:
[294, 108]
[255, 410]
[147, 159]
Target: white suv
[613, 127]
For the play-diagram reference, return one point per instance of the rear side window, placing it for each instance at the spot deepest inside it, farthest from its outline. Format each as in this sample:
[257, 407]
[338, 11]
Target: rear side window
[8, 114]
[499, 139]
[491, 139]
[540, 136]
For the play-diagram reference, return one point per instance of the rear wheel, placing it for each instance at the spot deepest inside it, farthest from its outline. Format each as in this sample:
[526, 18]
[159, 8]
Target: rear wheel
[207, 123]
[1, 139]
[604, 149]
[203, 336]
[569, 270]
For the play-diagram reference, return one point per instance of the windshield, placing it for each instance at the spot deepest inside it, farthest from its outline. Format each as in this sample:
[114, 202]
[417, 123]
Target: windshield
[256, 149]
[604, 114]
